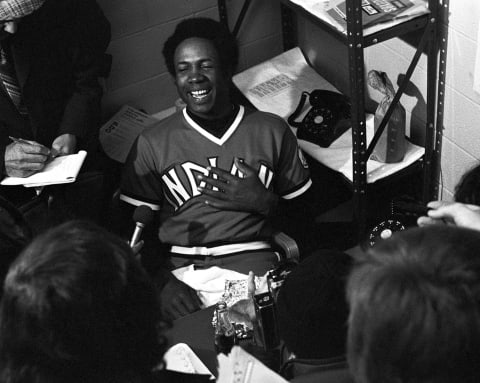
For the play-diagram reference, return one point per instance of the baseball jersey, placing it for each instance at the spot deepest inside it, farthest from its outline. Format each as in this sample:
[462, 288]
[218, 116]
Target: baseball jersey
[162, 167]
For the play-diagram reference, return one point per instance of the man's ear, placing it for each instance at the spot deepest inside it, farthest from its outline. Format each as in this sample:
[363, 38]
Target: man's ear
[11, 27]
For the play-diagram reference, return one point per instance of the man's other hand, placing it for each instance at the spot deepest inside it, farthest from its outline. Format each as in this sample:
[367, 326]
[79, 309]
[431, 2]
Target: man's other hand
[178, 299]
[229, 192]
[459, 214]
[24, 158]
[64, 144]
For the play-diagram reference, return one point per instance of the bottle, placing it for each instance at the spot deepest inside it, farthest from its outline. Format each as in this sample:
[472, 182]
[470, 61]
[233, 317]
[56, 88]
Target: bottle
[224, 330]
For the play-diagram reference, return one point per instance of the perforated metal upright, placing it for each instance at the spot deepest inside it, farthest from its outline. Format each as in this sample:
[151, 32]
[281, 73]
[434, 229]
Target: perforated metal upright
[433, 42]
[359, 137]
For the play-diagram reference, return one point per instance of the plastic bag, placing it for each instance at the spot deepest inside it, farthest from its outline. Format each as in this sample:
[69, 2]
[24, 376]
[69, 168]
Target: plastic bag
[391, 146]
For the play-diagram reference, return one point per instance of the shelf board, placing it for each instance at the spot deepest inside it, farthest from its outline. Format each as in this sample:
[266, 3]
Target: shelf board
[370, 39]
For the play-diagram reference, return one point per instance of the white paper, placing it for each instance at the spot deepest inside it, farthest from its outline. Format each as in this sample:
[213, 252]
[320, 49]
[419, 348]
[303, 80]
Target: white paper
[241, 367]
[210, 283]
[118, 134]
[62, 169]
[181, 358]
[276, 85]
[283, 99]
[339, 155]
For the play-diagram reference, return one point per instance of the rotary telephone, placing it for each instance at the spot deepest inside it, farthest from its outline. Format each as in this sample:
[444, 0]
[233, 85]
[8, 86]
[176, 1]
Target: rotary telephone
[327, 119]
[404, 213]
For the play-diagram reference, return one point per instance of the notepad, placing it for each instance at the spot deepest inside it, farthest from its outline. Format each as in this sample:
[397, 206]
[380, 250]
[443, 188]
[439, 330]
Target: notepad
[241, 367]
[61, 170]
[181, 358]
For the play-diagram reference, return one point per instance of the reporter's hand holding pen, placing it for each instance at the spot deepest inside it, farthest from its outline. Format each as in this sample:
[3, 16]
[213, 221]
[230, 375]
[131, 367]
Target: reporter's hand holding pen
[24, 157]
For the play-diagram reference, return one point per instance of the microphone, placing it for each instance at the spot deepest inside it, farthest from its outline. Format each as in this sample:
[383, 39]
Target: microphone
[142, 216]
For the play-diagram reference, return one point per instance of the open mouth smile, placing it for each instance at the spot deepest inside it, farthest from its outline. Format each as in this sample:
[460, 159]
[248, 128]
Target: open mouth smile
[200, 94]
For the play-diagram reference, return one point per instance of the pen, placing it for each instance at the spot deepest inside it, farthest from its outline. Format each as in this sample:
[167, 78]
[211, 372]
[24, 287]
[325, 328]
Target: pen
[20, 140]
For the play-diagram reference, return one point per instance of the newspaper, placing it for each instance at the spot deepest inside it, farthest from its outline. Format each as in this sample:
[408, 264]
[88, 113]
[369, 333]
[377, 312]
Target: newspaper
[118, 134]
[379, 11]
[333, 12]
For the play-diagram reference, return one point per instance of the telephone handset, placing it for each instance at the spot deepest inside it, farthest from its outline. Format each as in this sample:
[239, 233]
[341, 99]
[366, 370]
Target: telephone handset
[327, 119]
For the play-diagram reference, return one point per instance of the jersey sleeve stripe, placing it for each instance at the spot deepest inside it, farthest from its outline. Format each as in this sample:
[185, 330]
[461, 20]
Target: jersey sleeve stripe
[298, 191]
[137, 202]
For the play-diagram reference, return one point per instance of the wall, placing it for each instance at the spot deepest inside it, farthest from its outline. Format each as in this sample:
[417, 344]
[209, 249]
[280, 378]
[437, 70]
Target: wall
[461, 143]
[139, 29]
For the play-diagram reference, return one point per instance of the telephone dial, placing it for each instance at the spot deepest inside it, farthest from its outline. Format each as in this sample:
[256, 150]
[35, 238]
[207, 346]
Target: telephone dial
[404, 213]
[327, 119]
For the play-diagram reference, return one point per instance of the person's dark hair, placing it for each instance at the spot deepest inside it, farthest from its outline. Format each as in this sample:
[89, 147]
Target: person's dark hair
[468, 188]
[415, 308]
[312, 309]
[201, 27]
[15, 234]
[77, 306]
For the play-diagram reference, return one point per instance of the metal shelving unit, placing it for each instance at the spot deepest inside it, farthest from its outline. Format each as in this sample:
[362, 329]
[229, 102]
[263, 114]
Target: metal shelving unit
[431, 43]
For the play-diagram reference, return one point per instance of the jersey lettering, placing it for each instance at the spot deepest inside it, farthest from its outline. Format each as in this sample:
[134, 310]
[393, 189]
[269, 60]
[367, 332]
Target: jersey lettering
[180, 191]
[265, 175]
[176, 187]
[213, 163]
[189, 169]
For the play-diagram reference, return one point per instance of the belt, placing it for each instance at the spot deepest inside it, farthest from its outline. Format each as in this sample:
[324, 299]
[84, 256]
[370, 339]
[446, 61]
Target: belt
[221, 250]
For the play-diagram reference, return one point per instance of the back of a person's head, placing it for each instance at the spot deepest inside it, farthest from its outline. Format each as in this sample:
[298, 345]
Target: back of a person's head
[77, 307]
[415, 308]
[311, 306]
[468, 188]
[15, 234]
[201, 27]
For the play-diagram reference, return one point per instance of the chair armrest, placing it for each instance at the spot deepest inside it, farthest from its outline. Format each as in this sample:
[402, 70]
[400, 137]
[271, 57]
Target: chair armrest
[288, 247]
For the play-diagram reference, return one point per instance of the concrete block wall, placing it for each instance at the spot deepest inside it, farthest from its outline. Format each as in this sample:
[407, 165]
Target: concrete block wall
[461, 140]
[140, 27]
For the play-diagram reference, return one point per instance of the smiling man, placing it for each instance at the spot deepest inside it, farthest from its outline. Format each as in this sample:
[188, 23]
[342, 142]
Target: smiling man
[215, 171]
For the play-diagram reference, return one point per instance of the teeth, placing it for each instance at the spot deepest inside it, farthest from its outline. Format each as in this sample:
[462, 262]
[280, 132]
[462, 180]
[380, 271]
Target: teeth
[199, 93]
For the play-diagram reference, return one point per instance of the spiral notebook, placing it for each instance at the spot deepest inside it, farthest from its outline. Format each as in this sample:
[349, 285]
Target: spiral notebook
[61, 170]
